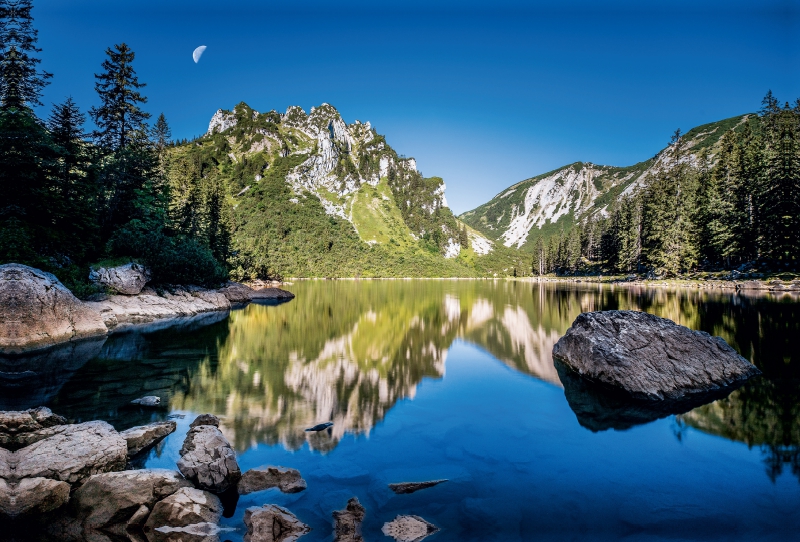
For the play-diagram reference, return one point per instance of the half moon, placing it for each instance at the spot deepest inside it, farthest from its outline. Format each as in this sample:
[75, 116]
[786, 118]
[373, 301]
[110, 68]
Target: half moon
[198, 53]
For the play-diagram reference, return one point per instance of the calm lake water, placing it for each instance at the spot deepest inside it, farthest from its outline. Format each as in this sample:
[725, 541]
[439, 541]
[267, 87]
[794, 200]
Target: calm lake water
[455, 379]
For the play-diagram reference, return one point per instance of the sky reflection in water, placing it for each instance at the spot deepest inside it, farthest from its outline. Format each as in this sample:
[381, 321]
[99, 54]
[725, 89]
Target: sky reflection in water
[444, 379]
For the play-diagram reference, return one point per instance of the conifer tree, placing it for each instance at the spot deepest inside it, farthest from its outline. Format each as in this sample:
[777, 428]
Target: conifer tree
[21, 81]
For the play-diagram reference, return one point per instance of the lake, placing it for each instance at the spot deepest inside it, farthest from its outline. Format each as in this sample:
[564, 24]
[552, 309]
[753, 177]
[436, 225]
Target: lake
[431, 379]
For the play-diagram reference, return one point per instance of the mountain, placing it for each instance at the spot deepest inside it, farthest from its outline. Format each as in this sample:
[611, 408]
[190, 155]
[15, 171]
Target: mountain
[552, 202]
[310, 195]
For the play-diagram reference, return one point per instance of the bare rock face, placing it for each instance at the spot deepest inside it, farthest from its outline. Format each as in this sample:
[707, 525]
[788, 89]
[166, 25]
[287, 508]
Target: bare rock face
[187, 506]
[408, 529]
[266, 477]
[32, 496]
[205, 419]
[208, 460]
[271, 523]
[128, 279]
[648, 357]
[347, 522]
[144, 436]
[403, 488]
[70, 453]
[39, 311]
[241, 293]
[125, 497]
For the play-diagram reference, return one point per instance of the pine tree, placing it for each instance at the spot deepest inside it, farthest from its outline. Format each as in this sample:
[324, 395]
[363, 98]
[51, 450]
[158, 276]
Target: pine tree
[119, 115]
[21, 81]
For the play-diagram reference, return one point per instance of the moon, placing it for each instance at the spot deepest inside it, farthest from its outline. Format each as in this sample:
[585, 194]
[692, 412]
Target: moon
[198, 53]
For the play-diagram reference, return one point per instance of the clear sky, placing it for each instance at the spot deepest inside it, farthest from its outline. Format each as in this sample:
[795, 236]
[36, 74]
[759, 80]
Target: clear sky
[483, 94]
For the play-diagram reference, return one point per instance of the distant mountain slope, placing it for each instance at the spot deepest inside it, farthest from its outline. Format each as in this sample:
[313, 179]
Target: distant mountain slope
[546, 204]
[313, 196]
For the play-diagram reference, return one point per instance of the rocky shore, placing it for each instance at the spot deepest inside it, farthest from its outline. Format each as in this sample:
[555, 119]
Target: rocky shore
[41, 312]
[75, 482]
[743, 284]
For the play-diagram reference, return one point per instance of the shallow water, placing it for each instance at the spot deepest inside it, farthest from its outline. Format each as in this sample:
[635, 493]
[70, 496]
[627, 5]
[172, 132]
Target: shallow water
[454, 379]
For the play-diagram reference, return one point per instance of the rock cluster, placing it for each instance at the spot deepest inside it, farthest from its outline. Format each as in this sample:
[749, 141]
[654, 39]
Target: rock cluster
[648, 357]
[40, 312]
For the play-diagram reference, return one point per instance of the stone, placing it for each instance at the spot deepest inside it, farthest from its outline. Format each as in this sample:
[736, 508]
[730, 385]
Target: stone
[208, 460]
[347, 522]
[403, 488]
[122, 312]
[39, 311]
[148, 400]
[187, 506]
[648, 357]
[71, 453]
[144, 436]
[13, 424]
[240, 293]
[32, 496]
[266, 477]
[320, 427]
[271, 523]
[128, 279]
[124, 497]
[205, 419]
[408, 529]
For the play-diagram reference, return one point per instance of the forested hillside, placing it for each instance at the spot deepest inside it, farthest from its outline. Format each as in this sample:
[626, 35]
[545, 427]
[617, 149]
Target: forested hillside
[722, 196]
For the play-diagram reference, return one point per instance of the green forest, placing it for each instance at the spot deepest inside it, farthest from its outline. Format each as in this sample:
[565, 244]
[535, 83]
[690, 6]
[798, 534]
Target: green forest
[738, 208]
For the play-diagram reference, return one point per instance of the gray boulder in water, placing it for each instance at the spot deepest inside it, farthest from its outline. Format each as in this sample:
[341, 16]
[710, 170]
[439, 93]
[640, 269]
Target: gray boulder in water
[145, 436]
[147, 400]
[347, 522]
[128, 279]
[320, 427]
[261, 478]
[271, 523]
[208, 460]
[648, 357]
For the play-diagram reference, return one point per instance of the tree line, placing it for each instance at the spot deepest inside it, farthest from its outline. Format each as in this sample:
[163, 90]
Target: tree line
[72, 196]
[734, 205]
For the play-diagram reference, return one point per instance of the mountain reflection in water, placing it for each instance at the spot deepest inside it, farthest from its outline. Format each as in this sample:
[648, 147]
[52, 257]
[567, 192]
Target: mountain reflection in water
[348, 351]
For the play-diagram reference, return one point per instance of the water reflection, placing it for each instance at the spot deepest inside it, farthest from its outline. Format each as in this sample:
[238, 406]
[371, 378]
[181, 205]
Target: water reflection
[348, 351]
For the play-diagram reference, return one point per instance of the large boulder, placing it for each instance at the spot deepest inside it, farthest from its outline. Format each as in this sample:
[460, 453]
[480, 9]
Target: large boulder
[187, 506]
[208, 460]
[32, 496]
[128, 279]
[143, 436]
[266, 477]
[347, 522]
[648, 357]
[271, 523]
[38, 311]
[115, 498]
[70, 453]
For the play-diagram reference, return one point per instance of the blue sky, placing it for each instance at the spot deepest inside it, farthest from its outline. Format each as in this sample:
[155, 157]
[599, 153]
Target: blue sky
[483, 94]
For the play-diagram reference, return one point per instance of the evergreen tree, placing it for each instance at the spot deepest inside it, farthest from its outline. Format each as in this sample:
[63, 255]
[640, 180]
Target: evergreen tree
[21, 81]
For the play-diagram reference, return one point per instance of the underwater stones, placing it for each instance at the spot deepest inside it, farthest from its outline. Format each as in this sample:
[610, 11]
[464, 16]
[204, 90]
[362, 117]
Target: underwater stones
[208, 460]
[143, 436]
[32, 496]
[266, 477]
[648, 357]
[128, 279]
[403, 488]
[347, 522]
[39, 311]
[408, 529]
[272, 523]
[148, 400]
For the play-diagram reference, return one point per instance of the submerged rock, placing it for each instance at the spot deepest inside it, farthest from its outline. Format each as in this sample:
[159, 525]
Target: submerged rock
[648, 357]
[320, 427]
[39, 311]
[148, 400]
[208, 460]
[32, 496]
[271, 523]
[261, 478]
[409, 529]
[347, 522]
[128, 279]
[403, 488]
[144, 436]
